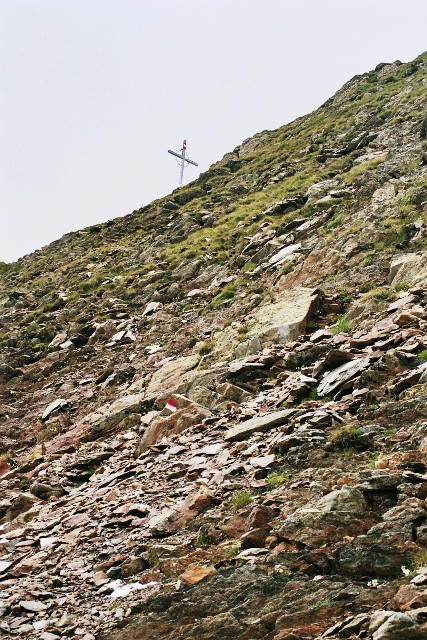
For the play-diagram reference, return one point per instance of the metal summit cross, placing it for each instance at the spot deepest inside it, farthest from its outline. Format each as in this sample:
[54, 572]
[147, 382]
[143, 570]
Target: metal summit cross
[184, 159]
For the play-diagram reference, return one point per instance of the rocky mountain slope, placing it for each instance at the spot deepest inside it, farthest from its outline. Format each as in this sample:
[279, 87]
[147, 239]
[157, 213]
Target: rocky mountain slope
[214, 410]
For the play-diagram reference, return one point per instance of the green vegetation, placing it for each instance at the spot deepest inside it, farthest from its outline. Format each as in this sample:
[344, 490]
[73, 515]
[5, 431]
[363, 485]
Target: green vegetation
[153, 557]
[361, 169]
[205, 348]
[231, 551]
[240, 500]
[105, 265]
[401, 286]
[276, 479]
[380, 293]
[345, 437]
[342, 326]
[225, 295]
[311, 396]
[372, 461]
[322, 603]
[420, 559]
[390, 432]
[344, 296]
[423, 355]
[202, 540]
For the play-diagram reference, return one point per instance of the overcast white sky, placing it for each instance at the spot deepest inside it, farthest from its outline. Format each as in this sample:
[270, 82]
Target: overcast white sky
[94, 92]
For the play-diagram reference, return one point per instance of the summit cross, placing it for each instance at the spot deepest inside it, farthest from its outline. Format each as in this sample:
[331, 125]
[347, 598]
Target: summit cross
[182, 155]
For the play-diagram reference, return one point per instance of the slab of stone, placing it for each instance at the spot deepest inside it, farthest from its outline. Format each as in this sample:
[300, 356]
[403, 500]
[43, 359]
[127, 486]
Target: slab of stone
[258, 424]
[151, 307]
[284, 254]
[32, 605]
[410, 268]
[193, 575]
[171, 374]
[53, 406]
[336, 378]
[262, 462]
[280, 321]
[4, 565]
[177, 422]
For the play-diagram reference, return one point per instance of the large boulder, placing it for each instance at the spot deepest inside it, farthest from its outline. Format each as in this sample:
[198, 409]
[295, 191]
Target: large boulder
[339, 513]
[410, 268]
[279, 321]
[187, 415]
[171, 375]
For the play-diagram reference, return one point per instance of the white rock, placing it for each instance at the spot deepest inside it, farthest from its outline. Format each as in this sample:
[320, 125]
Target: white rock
[151, 307]
[284, 254]
[53, 406]
[32, 605]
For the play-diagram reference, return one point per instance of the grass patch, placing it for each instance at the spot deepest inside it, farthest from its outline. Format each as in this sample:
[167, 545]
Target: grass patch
[225, 295]
[345, 437]
[322, 603]
[205, 348]
[202, 540]
[420, 559]
[401, 286]
[341, 326]
[240, 500]
[380, 293]
[232, 551]
[276, 479]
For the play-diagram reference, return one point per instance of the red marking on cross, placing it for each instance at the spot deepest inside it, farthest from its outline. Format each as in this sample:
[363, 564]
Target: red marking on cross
[184, 144]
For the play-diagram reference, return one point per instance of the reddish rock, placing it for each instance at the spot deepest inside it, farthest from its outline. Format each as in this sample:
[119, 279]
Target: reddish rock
[193, 575]
[176, 423]
[247, 520]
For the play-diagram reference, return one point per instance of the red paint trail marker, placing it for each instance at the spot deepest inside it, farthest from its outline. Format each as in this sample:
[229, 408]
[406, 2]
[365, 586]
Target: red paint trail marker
[171, 405]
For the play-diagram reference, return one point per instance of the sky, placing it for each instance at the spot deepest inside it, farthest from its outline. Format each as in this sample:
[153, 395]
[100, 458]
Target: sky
[94, 92]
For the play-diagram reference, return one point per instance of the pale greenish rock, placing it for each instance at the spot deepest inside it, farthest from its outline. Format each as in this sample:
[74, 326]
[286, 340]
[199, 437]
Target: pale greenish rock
[410, 268]
[171, 374]
[280, 321]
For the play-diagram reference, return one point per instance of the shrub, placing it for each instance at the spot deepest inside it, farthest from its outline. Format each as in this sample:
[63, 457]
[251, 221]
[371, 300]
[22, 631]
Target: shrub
[423, 355]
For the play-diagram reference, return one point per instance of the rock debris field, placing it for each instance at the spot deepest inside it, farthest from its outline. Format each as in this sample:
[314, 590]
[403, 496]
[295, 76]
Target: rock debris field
[211, 440]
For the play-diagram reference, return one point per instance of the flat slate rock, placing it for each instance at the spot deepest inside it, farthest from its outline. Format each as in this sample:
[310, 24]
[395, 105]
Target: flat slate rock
[263, 423]
[342, 374]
